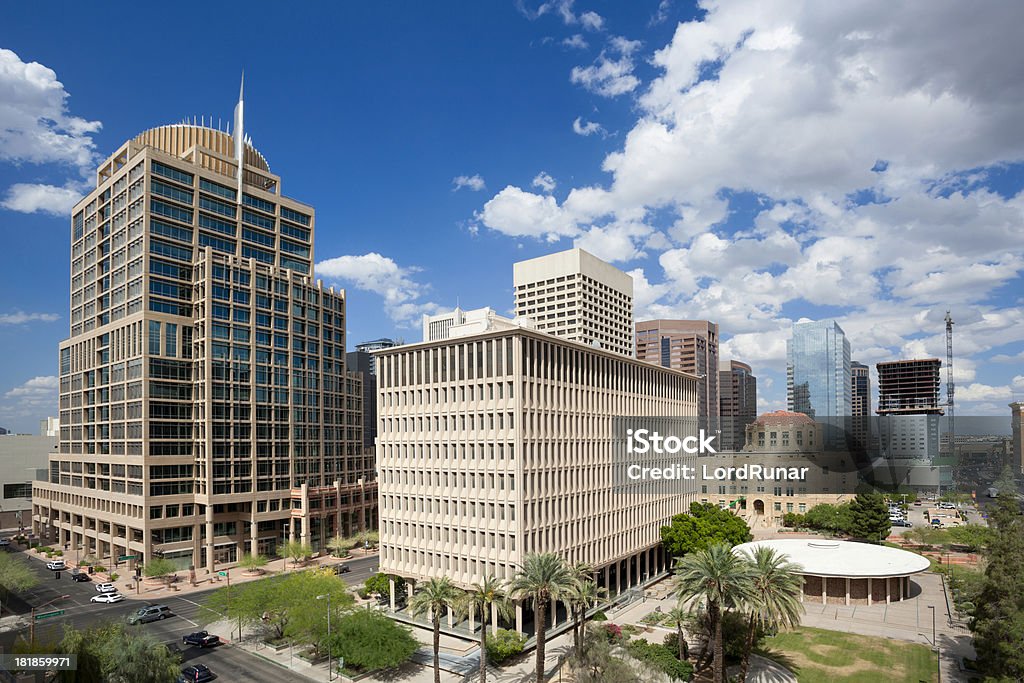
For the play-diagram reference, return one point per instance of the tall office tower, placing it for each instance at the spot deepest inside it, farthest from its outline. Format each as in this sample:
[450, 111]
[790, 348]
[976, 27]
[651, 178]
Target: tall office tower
[205, 409]
[502, 443]
[737, 402]
[687, 345]
[363, 362]
[818, 377]
[1017, 424]
[860, 404]
[575, 295]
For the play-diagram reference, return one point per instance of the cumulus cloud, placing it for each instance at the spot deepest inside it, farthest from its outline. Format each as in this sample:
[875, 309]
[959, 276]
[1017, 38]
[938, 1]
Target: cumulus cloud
[585, 128]
[611, 74]
[592, 21]
[544, 181]
[379, 274]
[576, 41]
[471, 182]
[37, 128]
[20, 318]
[818, 153]
[34, 399]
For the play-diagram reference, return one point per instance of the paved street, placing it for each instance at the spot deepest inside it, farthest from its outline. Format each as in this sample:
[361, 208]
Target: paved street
[230, 663]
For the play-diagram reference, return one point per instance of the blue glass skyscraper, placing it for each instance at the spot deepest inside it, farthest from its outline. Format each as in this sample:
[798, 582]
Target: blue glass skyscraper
[818, 371]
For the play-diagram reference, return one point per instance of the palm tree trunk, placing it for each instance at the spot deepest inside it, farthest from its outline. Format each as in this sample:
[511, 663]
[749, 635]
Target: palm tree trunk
[747, 648]
[437, 647]
[541, 617]
[719, 650]
[483, 645]
[683, 654]
[576, 628]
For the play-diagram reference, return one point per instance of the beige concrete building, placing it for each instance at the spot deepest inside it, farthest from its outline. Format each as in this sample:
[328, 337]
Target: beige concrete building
[205, 408]
[687, 345]
[1017, 445]
[784, 439]
[575, 295]
[23, 458]
[500, 444]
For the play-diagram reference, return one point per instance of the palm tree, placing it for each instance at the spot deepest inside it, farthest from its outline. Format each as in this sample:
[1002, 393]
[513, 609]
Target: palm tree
[478, 600]
[680, 616]
[435, 597]
[775, 600]
[542, 578]
[720, 578]
[584, 595]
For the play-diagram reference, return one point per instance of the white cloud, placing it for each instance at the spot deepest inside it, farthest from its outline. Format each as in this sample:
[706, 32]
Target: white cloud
[381, 275]
[592, 21]
[472, 182]
[36, 128]
[585, 128]
[523, 214]
[611, 74]
[576, 41]
[20, 318]
[32, 198]
[544, 181]
[35, 399]
[983, 392]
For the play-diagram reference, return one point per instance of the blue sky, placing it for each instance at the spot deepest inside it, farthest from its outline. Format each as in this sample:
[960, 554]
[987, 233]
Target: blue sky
[754, 163]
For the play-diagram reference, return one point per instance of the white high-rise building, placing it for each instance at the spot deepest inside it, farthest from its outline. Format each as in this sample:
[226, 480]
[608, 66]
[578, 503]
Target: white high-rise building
[575, 295]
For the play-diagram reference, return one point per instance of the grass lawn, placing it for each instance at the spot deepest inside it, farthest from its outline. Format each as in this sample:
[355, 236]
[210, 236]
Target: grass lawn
[819, 656]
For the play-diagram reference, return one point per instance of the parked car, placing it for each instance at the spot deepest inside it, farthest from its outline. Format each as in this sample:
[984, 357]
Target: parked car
[80, 576]
[947, 506]
[56, 565]
[342, 569]
[107, 597]
[106, 587]
[901, 522]
[936, 522]
[197, 673]
[201, 639]
[144, 615]
[4, 542]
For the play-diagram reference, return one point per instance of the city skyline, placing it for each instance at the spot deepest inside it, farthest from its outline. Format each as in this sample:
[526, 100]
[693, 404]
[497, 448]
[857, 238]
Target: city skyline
[894, 224]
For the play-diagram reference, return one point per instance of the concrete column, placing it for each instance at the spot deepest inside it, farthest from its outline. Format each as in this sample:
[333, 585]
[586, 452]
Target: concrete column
[519, 617]
[847, 590]
[450, 618]
[472, 620]
[554, 613]
[887, 591]
[899, 588]
[494, 619]
[607, 575]
[629, 572]
[307, 519]
[254, 535]
[209, 539]
[824, 590]
[870, 588]
[391, 592]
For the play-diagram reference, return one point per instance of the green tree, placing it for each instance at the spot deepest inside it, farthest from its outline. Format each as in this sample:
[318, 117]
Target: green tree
[339, 546]
[504, 644]
[679, 616]
[380, 584]
[594, 662]
[435, 597]
[542, 578]
[998, 623]
[297, 551]
[15, 576]
[113, 654]
[478, 601]
[974, 536]
[832, 518]
[370, 641]
[869, 517]
[159, 568]
[705, 525]
[718, 579]
[774, 602]
[252, 562]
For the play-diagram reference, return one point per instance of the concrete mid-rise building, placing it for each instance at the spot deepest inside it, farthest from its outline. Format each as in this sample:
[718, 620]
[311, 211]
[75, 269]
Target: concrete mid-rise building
[459, 323]
[687, 345]
[363, 362]
[503, 443]
[205, 407]
[1017, 425]
[860, 405]
[577, 296]
[737, 401]
[909, 420]
[24, 458]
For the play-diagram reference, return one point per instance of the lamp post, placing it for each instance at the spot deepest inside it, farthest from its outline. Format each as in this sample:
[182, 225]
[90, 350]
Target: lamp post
[935, 646]
[330, 658]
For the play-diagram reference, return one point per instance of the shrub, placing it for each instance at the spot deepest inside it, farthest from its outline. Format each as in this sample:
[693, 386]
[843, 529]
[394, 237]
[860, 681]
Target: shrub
[99, 568]
[792, 520]
[599, 616]
[630, 630]
[114, 576]
[59, 553]
[613, 632]
[504, 644]
[661, 658]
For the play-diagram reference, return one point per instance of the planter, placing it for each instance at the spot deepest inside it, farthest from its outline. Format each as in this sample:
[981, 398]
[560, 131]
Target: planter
[277, 647]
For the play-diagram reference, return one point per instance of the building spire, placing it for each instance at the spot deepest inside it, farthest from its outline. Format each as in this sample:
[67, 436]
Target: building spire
[239, 134]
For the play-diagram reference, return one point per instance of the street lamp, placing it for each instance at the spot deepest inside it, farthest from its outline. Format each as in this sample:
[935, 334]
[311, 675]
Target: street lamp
[935, 646]
[330, 658]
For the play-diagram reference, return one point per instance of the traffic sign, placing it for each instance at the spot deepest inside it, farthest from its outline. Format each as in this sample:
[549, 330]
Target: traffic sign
[222, 573]
[124, 558]
[47, 615]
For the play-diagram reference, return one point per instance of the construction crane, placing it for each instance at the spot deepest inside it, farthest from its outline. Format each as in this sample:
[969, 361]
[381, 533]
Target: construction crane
[950, 387]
